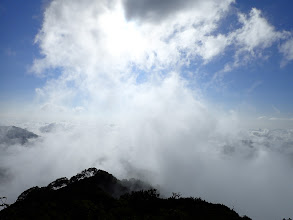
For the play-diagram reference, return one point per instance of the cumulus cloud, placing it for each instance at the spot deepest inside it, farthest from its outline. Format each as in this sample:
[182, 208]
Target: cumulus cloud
[110, 33]
[128, 108]
[256, 31]
[255, 35]
[102, 33]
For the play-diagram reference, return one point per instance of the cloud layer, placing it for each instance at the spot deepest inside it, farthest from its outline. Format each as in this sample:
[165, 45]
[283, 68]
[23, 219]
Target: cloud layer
[250, 171]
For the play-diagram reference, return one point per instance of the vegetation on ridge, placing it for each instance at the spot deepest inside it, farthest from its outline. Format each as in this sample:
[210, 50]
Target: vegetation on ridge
[96, 194]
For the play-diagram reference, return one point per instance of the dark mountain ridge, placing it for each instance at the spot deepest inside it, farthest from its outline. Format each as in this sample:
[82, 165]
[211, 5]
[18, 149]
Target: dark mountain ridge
[96, 194]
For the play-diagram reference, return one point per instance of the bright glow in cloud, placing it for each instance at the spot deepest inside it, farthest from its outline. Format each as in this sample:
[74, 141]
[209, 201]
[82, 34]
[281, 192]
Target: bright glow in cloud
[100, 37]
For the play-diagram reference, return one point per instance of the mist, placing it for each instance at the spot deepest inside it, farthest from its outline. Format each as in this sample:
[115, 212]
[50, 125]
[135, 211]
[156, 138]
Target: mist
[117, 98]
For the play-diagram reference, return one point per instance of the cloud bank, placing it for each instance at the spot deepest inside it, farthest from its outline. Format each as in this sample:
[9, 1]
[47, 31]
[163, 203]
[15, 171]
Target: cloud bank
[119, 99]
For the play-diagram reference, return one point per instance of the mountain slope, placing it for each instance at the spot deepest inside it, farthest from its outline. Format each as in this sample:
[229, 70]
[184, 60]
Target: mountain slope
[10, 135]
[96, 194]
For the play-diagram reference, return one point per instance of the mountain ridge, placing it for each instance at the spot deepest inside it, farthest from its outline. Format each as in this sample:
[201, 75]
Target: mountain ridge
[96, 194]
[10, 135]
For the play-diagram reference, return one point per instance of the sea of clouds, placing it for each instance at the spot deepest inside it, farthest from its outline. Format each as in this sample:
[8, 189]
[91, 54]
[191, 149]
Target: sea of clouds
[249, 171]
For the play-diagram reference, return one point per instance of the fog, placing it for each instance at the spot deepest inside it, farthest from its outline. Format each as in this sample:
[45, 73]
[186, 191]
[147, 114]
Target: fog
[248, 171]
[116, 99]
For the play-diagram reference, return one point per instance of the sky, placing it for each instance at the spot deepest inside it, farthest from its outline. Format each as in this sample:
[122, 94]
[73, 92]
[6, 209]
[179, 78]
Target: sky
[242, 63]
[146, 89]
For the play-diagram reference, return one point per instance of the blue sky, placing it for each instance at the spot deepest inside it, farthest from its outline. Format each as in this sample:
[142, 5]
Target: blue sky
[19, 22]
[260, 87]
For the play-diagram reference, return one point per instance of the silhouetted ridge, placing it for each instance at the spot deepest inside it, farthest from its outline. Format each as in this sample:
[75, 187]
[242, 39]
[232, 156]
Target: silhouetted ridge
[96, 194]
[27, 193]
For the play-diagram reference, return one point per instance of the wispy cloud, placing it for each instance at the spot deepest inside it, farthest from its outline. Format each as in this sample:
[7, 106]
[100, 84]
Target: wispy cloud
[254, 86]
[287, 50]
[251, 40]
[281, 119]
[276, 109]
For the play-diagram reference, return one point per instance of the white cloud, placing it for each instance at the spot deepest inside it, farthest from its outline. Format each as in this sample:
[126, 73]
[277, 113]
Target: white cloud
[251, 40]
[256, 32]
[276, 110]
[213, 46]
[96, 48]
[180, 150]
[100, 32]
[254, 86]
[281, 119]
[287, 50]
[261, 117]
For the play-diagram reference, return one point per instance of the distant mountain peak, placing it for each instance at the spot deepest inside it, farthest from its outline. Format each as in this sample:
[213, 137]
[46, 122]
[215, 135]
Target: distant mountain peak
[85, 174]
[10, 135]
